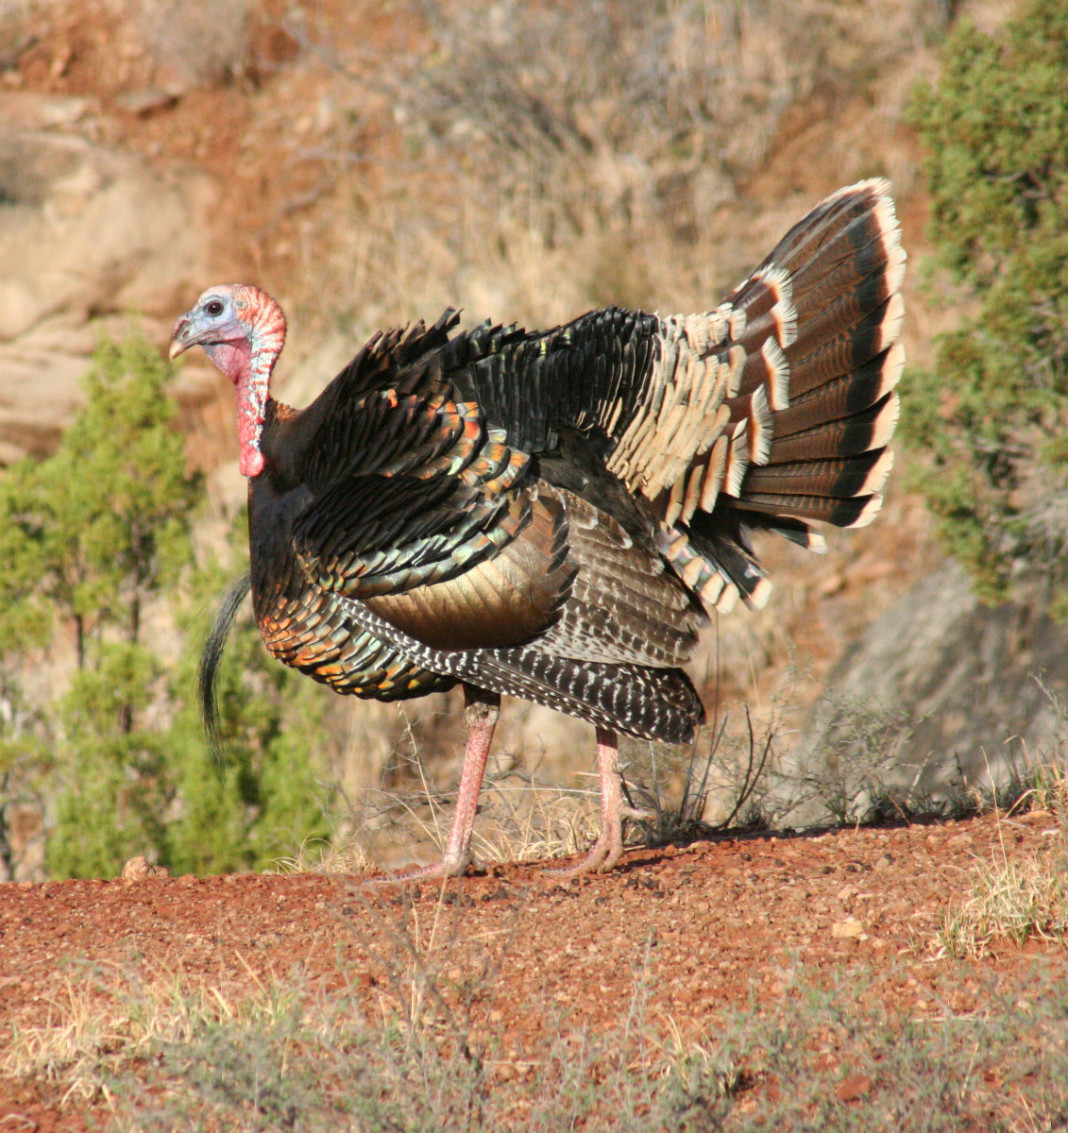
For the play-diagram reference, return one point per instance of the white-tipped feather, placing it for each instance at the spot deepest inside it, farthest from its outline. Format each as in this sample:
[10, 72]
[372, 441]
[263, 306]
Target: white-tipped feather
[883, 426]
[895, 268]
[736, 356]
[877, 474]
[891, 324]
[884, 211]
[694, 485]
[712, 589]
[783, 312]
[877, 186]
[737, 323]
[674, 505]
[759, 595]
[728, 599]
[692, 571]
[778, 380]
[869, 512]
[717, 461]
[893, 368]
[719, 322]
[760, 427]
[737, 461]
[697, 332]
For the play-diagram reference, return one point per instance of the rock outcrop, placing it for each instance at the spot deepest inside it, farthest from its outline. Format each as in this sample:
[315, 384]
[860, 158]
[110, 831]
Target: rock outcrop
[87, 235]
[941, 695]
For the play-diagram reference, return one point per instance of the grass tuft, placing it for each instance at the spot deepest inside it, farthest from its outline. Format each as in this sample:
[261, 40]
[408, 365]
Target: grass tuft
[1009, 901]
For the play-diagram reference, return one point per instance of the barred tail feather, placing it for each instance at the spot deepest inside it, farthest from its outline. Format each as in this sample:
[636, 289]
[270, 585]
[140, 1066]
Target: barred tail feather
[812, 341]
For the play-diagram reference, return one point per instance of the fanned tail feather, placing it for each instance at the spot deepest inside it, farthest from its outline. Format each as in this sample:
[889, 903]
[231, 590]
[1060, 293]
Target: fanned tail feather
[810, 341]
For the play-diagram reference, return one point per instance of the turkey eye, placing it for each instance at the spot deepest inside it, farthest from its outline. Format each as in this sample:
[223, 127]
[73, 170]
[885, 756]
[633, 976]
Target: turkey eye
[214, 307]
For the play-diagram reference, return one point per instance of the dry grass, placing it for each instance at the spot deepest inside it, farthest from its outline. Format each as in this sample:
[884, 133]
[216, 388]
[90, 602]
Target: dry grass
[531, 161]
[520, 819]
[339, 856]
[180, 1054]
[1015, 901]
[208, 43]
[106, 1018]
[1009, 902]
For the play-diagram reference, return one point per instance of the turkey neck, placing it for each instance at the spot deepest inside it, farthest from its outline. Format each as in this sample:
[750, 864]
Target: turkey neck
[250, 365]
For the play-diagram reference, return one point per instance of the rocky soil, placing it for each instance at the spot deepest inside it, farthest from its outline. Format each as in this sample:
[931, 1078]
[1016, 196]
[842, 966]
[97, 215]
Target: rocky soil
[703, 928]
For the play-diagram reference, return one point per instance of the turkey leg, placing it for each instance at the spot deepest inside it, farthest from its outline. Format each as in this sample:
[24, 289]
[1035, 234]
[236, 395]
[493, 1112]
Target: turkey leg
[607, 849]
[481, 709]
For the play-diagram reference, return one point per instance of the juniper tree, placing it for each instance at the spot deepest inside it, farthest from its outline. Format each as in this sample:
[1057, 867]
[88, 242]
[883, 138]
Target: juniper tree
[115, 762]
[993, 413]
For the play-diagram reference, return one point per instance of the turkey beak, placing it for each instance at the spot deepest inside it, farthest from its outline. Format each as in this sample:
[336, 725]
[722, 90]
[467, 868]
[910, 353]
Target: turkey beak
[181, 337]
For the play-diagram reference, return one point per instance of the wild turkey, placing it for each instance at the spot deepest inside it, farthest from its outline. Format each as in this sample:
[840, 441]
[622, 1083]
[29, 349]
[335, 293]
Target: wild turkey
[554, 515]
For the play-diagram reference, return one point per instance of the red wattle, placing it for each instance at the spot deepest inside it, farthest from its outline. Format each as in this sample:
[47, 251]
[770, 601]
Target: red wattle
[251, 463]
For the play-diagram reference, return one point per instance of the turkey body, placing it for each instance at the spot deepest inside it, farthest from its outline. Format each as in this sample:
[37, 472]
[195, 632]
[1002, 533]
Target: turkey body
[445, 552]
[556, 515]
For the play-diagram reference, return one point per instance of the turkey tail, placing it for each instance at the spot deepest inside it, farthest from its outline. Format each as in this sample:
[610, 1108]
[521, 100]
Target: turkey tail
[818, 453]
[808, 350]
[771, 411]
[208, 675]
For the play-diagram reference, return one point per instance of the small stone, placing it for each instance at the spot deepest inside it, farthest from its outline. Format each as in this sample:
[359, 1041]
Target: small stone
[137, 869]
[850, 929]
[144, 103]
[832, 584]
[853, 1088]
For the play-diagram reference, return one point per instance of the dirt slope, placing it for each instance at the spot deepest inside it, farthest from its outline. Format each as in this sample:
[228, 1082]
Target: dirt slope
[704, 927]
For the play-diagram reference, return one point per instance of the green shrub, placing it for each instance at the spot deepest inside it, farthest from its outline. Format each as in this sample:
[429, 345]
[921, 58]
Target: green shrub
[117, 764]
[267, 797]
[994, 412]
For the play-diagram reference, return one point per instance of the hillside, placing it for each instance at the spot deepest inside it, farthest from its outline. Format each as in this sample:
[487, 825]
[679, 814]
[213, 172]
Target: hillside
[910, 977]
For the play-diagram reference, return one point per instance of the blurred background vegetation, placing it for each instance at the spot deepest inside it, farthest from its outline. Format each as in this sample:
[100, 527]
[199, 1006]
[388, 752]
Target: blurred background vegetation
[116, 759]
[992, 412]
[371, 163]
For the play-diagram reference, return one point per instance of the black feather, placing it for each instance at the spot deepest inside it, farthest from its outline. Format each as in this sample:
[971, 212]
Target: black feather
[211, 658]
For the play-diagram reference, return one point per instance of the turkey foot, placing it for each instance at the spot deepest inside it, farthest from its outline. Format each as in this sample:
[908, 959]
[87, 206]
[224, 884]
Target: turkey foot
[608, 848]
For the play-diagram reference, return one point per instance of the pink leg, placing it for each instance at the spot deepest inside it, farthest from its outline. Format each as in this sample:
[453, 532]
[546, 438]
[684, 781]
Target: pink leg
[607, 849]
[481, 710]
